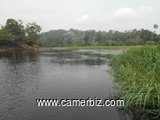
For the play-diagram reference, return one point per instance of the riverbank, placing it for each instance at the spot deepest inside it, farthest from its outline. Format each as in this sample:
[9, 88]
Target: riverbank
[23, 46]
[74, 47]
[138, 75]
[96, 47]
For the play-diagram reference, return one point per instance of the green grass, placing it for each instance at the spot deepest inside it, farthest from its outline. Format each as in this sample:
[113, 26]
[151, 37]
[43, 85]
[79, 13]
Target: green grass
[138, 75]
[102, 47]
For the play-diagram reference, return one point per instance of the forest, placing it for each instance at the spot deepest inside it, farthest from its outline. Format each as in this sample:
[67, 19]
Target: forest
[14, 33]
[102, 38]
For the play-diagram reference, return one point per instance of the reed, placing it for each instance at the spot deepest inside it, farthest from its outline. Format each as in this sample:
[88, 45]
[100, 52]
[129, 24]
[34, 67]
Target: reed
[138, 75]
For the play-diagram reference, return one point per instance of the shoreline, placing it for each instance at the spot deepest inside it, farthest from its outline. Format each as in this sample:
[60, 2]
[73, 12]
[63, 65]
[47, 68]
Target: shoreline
[23, 47]
[37, 48]
[92, 47]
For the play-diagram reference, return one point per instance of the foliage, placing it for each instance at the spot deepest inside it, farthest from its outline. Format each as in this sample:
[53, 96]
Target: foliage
[92, 37]
[31, 33]
[155, 26]
[14, 33]
[137, 72]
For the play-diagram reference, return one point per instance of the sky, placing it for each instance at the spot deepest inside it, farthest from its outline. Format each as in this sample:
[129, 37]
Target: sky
[101, 15]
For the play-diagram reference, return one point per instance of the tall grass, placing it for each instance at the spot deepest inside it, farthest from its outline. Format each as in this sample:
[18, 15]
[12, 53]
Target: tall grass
[138, 74]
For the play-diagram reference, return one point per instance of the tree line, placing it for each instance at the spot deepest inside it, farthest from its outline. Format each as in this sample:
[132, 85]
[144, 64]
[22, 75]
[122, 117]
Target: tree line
[14, 33]
[91, 37]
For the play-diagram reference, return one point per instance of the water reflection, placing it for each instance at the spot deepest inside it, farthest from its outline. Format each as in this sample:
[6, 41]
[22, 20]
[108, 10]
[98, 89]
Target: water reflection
[18, 71]
[81, 59]
[76, 57]
[19, 56]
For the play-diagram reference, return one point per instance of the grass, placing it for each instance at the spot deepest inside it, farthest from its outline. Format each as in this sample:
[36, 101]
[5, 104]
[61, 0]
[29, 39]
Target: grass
[102, 47]
[138, 74]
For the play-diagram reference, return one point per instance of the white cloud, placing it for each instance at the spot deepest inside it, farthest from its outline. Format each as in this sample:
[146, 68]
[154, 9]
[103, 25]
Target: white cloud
[84, 18]
[124, 12]
[132, 17]
[132, 13]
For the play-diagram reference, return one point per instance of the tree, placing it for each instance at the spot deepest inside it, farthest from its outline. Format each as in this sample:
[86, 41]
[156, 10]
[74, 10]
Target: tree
[87, 39]
[5, 37]
[155, 26]
[16, 29]
[32, 33]
[14, 33]
[91, 37]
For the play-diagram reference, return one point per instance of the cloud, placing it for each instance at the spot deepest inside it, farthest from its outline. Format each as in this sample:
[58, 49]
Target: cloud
[124, 12]
[128, 13]
[131, 17]
[84, 18]
[81, 14]
[83, 21]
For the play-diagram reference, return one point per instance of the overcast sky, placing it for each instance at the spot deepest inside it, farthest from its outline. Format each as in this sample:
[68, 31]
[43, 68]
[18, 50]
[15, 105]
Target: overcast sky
[84, 14]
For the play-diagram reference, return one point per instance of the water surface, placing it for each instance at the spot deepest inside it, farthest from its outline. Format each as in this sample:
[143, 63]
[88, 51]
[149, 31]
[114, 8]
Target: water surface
[59, 74]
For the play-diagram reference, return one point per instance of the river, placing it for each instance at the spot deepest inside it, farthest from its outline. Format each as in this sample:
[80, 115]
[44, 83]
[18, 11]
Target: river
[57, 74]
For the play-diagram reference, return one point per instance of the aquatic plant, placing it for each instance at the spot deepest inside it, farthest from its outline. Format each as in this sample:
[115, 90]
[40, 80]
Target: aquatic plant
[138, 75]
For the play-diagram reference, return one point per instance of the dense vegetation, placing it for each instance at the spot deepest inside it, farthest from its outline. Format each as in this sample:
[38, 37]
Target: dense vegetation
[14, 33]
[138, 75]
[92, 37]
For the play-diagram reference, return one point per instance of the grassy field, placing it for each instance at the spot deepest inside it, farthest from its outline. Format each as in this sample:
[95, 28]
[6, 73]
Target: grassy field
[101, 47]
[138, 74]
